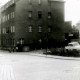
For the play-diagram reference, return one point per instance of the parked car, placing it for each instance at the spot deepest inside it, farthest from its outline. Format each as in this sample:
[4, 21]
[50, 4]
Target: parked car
[73, 46]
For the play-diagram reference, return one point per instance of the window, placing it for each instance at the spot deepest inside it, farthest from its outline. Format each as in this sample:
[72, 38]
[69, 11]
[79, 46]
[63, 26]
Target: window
[12, 28]
[49, 28]
[39, 1]
[3, 18]
[40, 29]
[12, 1]
[7, 30]
[4, 30]
[39, 14]
[30, 28]
[8, 16]
[30, 14]
[49, 15]
[12, 14]
[7, 5]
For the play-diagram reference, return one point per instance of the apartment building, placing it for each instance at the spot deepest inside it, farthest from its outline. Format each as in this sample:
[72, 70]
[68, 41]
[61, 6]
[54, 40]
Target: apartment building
[32, 22]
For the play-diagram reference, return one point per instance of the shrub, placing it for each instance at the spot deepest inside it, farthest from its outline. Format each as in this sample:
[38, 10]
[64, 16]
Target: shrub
[63, 52]
[73, 53]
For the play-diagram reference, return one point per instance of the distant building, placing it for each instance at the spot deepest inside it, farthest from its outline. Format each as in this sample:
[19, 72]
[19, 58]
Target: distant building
[71, 32]
[78, 27]
[68, 27]
[31, 22]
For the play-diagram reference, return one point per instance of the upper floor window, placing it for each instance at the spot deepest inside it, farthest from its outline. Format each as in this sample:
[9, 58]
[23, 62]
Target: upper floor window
[12, 1]
[30, 28]
[3, 18]
[7, 30]
[39, 14]
[12, 28]
[39, 1]
[49, 15]
[8, 16]
[40, 29]
[13, 14]
[4, 30]
[30, 14]
[7, 5]
[49, 28]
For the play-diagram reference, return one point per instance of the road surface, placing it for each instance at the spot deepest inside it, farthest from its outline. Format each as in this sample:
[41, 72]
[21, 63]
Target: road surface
[22, 66]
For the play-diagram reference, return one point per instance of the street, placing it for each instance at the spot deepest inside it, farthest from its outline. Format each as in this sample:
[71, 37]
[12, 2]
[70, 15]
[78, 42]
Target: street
[22, 66]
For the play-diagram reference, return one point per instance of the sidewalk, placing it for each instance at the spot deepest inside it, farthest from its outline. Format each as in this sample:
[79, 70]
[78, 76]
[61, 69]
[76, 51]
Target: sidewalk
[39, 53]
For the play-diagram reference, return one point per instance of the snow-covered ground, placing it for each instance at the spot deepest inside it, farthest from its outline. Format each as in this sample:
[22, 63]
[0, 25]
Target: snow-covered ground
[25, 66]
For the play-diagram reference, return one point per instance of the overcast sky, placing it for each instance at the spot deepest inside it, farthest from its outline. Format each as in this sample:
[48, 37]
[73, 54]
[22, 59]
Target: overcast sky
[72, 10]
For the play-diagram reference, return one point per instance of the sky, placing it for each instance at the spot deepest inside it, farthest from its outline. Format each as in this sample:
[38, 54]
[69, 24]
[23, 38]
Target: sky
[72, 10]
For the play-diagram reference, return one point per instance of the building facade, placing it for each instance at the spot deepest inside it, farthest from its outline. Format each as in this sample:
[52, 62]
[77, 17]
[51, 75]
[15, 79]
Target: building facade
[32, 22]
[78, 27]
